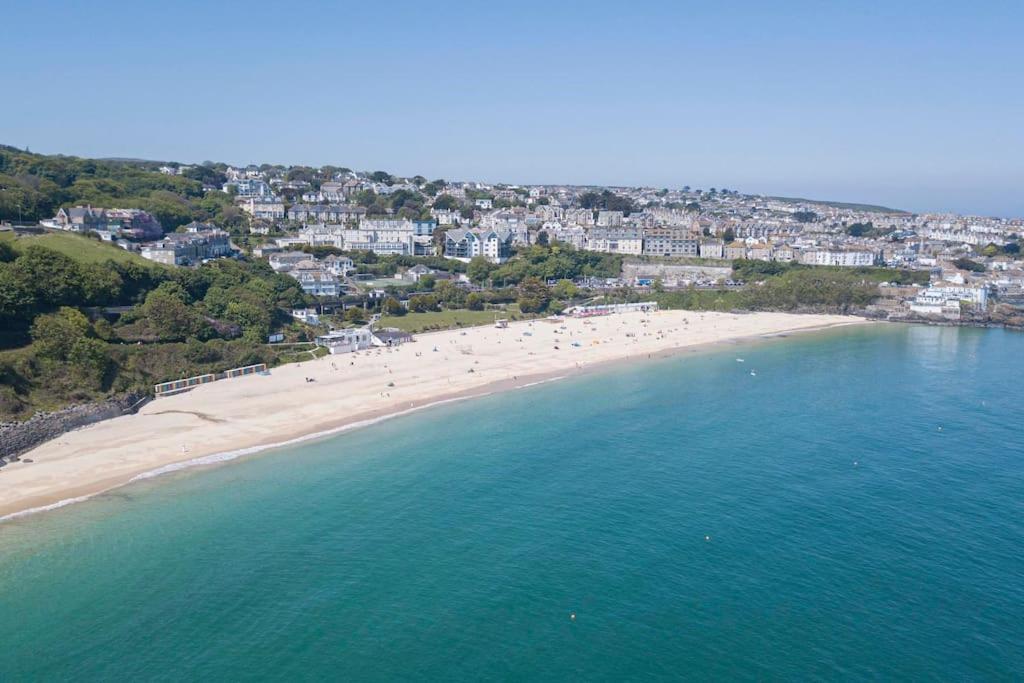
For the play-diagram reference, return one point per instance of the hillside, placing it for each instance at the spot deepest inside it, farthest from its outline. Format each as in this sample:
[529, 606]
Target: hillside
[34, 186]
[78, 248]
[870, 208]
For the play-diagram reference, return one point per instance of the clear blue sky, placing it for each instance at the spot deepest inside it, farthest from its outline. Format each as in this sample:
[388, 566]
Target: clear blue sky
[918, 105]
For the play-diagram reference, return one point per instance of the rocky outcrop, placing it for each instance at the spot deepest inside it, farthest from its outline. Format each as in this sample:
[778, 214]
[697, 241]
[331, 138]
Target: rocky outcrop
[19, 437]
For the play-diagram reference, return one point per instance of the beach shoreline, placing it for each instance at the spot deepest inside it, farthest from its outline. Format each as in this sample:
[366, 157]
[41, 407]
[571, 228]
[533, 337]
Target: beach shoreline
[227, 420]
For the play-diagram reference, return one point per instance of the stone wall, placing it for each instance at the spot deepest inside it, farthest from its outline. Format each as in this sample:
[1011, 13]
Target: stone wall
[19, 437]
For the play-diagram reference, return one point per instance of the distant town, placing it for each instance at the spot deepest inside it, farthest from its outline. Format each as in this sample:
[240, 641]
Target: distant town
[669, 238]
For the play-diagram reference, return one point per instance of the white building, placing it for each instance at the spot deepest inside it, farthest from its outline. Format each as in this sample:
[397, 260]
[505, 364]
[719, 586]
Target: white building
[269, 208]
[944, 299]
[306, 315]
[248, 187]
[615, 241]
[346, 341]
[845, 258]
[465, 245]
[316, 281]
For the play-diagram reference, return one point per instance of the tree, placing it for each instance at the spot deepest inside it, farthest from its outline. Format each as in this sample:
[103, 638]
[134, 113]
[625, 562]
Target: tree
[7, 252]
[446, 202]
[729, 235]
[448, 292]
[479, 269]
[421, 303]
[475, 301]
[89, 360]
[964, 263]
[254, 319]
[565, 289]
[391, 306]
[55, 334]
[606, 201]
[101, 284]
[168, 315]
[433, 187]
[533, 295]
[54, 278]
[16, 295]
[355, 314]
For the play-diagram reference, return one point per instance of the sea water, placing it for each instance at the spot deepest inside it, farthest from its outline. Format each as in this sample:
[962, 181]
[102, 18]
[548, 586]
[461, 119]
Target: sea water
[847, 504]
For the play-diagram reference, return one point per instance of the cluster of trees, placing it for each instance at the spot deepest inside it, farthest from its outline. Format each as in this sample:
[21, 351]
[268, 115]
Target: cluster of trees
[1011, 248]
[168, 305]
[403, 204]
[532, 295]
[836, 290]
[38, 280]
[64, 310]
[606, 200]
[861, 229]
[547, 262]
[751, 270]
[34, 186]
[821, 289]
[964, 263]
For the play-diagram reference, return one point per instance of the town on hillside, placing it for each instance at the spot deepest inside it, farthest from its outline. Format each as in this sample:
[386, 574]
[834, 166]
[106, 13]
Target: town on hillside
[669, 239]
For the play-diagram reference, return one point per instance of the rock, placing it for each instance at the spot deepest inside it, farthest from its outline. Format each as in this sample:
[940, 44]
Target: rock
[18, 437]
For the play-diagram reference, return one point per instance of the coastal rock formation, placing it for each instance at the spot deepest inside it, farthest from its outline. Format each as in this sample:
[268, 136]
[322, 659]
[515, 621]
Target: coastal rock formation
[18, 437]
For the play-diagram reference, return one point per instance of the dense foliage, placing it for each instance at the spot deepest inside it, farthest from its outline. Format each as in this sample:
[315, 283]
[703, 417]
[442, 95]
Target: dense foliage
[750, 270]
[34, 186]
[606, 200]
[91, 329]
[964, 263]
[551, 262]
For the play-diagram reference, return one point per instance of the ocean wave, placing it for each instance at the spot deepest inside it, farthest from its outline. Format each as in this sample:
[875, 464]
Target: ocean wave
[45, 508]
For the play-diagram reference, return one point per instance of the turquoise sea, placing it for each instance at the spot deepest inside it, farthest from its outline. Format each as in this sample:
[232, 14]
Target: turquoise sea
[854, 510]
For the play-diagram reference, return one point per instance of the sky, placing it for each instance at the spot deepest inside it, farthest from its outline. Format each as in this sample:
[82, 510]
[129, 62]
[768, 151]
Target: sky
[915, 105]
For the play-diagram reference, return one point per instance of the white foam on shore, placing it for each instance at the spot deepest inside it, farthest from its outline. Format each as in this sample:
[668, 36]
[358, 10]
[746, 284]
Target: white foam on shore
[226, 456]
[541, 381]
[45, 508]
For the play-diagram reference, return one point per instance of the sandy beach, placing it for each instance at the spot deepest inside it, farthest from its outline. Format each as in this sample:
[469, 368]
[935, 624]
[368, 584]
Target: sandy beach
[243, 415]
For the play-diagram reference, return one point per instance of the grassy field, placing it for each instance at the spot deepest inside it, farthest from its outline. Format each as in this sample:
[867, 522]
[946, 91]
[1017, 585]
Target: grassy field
[81, 249]
[445, 320]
